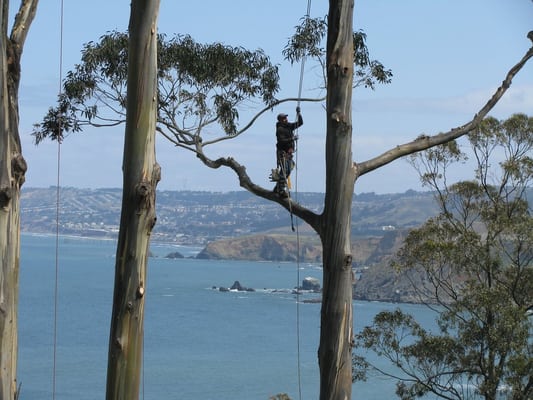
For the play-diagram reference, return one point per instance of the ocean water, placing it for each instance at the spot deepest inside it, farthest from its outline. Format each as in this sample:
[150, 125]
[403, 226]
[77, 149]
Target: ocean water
[200, 343]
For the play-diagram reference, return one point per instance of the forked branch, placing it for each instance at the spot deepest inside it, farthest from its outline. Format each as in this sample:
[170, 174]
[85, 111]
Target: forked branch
[245, 182]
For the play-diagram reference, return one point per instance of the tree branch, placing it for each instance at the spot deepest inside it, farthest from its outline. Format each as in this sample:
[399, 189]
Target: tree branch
[304, 213]
[252, 121]
[425, 142]
[22, 23]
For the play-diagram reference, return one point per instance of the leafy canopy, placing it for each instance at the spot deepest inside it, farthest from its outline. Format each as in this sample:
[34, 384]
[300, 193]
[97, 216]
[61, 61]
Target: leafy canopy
[199, 85]
[307, 42]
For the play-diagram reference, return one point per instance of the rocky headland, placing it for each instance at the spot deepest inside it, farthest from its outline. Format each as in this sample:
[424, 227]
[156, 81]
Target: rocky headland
[374, 280]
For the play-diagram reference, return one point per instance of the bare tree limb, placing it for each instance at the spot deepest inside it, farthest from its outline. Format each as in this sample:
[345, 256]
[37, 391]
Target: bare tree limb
[22, 23]
[252, 121]
[304, 213]
[426, 142]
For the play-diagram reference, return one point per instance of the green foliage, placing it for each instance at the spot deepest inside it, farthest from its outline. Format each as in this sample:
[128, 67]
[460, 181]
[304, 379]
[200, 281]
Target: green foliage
[433, 166]
[475, 261]
[307, 42]
[199, 84]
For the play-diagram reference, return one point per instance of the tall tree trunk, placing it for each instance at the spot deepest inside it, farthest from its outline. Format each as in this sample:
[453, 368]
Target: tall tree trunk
[141, 175]
[12, 175]
[12, 169]
[336, 332]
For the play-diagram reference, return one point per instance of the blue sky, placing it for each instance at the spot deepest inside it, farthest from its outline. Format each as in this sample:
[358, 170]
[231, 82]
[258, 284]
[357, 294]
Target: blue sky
[447, 57]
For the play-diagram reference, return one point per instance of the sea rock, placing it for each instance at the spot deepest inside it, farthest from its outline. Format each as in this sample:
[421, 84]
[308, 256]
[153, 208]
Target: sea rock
[237, 286]
[310, 283]
[175, 254]
[313, 301]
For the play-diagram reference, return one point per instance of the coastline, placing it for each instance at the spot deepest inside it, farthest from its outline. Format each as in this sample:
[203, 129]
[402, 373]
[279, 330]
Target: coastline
[170, 246]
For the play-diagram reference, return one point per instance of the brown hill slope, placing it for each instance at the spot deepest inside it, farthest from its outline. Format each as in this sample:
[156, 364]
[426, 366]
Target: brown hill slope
[284, 247]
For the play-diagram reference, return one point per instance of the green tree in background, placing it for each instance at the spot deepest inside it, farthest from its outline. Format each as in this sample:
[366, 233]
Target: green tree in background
[473, 265]
[12, 175]
[204, 86]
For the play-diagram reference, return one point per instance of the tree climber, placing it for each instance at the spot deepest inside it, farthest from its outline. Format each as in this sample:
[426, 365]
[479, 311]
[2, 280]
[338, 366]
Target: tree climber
[285, 148]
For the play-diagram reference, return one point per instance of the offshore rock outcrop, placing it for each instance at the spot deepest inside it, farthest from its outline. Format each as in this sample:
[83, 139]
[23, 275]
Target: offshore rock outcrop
[236, 286]
[310, 283]
[375, 280]
[174, 254]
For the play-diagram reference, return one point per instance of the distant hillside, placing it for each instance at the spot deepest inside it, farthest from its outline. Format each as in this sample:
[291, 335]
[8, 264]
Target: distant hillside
[367, 252]
[240, 226]
[198, 218]
[272, 247]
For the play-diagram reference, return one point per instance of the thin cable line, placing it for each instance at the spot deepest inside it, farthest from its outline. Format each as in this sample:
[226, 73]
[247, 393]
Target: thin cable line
[296, 226]
[300, 85]
[302, 66]
[56, 282]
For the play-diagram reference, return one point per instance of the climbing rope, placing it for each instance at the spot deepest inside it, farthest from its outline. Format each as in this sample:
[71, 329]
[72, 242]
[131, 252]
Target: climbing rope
[302, 66]
[295, 225]
[56, 281]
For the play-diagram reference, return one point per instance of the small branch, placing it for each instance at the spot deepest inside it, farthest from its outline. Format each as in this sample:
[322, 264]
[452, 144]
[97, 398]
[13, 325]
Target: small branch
[252, 121]
[427, 142]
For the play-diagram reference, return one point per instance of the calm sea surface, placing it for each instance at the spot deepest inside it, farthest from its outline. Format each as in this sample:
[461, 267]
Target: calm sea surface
[200, 343]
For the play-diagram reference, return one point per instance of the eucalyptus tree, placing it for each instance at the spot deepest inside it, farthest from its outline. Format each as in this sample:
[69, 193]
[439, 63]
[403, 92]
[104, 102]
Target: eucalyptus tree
[473, 265]
[12, 175]
[203, 86]
[141, 173]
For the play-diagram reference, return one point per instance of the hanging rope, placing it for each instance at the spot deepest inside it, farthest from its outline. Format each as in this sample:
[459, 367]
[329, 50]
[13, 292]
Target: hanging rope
[300, 85]
[56, 282]
[302, 66]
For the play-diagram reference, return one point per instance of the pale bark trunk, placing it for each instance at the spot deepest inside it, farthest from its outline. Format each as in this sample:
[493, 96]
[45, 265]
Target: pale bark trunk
[141, 175]
[336, 331]
[11, 182]
[12, 175]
